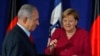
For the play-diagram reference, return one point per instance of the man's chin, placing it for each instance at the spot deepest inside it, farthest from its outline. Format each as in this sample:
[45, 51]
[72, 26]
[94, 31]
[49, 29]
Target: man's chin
[32, 30]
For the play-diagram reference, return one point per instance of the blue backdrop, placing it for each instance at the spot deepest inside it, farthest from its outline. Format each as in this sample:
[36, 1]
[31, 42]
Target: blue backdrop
[84, 7]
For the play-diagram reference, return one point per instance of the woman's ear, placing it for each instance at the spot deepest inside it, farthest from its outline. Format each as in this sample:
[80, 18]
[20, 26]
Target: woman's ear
[76, 22]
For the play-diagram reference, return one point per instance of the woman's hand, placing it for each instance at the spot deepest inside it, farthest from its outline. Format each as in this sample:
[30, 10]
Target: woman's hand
[53, 44]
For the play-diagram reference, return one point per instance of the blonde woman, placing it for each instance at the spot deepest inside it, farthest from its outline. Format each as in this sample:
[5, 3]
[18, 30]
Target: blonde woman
[69, 40]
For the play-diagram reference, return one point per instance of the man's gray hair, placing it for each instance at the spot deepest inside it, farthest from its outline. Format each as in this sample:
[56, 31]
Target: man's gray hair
[26, 10]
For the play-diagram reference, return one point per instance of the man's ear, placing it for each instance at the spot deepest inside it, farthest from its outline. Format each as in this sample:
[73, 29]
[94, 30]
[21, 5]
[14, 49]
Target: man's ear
[25, 20]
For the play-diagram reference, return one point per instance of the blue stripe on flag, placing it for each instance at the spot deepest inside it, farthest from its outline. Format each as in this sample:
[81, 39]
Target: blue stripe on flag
[57, 2]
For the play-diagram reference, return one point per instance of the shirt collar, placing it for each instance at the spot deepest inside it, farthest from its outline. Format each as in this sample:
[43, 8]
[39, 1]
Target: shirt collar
[25, 30]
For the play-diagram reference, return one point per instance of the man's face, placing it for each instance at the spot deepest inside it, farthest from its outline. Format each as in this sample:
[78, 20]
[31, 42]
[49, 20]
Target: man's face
[33, 22]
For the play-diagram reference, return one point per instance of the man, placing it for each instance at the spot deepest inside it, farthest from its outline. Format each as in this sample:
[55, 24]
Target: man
[17, 42]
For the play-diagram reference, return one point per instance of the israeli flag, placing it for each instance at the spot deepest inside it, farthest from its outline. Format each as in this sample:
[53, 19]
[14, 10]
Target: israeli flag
[55, 18]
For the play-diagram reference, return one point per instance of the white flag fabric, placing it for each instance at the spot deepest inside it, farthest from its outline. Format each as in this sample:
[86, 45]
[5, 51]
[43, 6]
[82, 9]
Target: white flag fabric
[55, 17]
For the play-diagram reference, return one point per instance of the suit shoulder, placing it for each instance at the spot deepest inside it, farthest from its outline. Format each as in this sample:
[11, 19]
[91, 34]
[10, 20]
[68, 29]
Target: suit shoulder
[13, 35]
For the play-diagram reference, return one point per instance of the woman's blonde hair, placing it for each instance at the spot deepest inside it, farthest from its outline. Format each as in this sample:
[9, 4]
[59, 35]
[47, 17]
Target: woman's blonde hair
[70, 11]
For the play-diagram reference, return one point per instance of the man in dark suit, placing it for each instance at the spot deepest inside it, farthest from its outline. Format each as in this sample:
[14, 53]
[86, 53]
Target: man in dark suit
[17, 42]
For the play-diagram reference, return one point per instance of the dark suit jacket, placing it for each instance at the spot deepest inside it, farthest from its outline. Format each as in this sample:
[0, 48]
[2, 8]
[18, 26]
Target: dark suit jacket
[17, 43]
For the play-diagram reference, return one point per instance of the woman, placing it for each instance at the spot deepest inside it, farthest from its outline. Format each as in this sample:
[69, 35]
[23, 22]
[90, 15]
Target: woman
[69, 40]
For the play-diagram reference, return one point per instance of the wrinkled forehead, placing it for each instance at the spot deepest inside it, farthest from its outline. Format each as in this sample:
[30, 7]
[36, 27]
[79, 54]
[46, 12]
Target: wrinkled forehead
[35, 13]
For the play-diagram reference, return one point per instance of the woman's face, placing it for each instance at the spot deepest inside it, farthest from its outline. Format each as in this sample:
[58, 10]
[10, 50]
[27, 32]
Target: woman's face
[69, 23]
